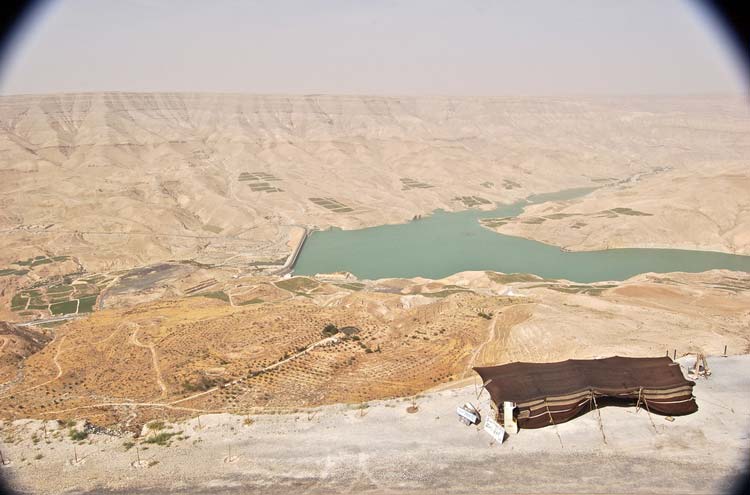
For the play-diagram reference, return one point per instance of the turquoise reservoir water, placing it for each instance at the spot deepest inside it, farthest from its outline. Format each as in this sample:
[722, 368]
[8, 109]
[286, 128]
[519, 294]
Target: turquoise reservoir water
[446, 243]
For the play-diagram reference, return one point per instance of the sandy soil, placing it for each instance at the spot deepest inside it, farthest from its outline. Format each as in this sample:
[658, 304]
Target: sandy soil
[381, 448]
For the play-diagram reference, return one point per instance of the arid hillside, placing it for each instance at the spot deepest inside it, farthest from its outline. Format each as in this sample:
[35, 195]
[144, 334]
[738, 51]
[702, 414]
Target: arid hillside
[16, 344]
[705, 208]
[121, 180]
[327, 342]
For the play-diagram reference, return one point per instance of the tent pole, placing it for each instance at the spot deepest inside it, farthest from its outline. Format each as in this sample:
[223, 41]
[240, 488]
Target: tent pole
[553, 424]
[638, 403]
[483, 386]
[599, 414]
[645, 402]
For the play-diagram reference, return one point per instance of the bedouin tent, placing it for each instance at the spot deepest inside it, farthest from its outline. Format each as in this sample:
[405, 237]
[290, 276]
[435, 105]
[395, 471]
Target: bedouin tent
[551, 393]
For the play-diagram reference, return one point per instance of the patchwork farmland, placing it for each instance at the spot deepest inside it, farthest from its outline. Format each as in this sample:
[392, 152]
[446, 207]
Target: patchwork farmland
[331, 204]
[472, 201]
[54, 286]
[408, 184]
[260, 181]
[77, 297]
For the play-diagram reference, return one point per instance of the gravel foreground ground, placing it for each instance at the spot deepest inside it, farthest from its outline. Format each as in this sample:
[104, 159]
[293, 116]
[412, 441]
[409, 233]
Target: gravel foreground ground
[383, 448]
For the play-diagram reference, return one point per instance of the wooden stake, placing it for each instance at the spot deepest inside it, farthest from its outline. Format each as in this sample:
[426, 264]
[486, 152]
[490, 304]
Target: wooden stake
[674, 356]
[137, 453]
[725, 350]
[2, 459]
[75, 453]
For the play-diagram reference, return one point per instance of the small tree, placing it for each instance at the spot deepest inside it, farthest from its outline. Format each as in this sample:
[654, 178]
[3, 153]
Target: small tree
[330, 329]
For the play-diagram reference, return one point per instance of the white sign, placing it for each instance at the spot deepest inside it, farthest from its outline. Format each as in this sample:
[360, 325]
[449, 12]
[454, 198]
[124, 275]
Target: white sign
[494, 429]
[471, 417]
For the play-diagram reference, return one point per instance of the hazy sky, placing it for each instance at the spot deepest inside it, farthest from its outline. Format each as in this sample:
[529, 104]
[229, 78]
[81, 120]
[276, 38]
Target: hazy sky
[459, 47]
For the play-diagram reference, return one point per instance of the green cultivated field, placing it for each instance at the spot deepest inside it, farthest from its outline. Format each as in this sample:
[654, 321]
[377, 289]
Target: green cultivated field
[297, 284]
[355, 286]
[221, 295]
[58, 299]
[86, 304]
[253, 176]
[471, 201]
[11, 271]
[59, 289]
[408, 183]
[63, 308]
[259, 181]
[251, 301]
[331, 204]
[444, 293]
[18, 302]
[39, 260]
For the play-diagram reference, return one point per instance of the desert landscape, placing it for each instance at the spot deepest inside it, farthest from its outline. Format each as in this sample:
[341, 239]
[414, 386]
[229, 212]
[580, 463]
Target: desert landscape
[302, 342]
[119, 180]
[148, 293]
[693, 202]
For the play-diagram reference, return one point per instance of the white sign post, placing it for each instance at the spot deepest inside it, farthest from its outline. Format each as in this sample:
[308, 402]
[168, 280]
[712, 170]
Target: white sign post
[469, 416]
[494, 429]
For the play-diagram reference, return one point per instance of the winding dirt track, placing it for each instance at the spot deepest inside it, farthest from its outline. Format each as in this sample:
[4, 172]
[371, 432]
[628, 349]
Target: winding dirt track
[154, 359]
[475, 354]
[171, 405]
[57, 364]
[507, 319]
[262, 370]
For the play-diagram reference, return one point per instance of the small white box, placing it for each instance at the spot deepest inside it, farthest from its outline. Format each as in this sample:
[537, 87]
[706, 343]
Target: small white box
[494, 429]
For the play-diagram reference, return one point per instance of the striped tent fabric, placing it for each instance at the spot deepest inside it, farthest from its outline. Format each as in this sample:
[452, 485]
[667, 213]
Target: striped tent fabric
[552, 393]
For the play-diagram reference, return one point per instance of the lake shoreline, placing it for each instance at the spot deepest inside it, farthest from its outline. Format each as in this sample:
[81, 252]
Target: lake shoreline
[443, 243]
